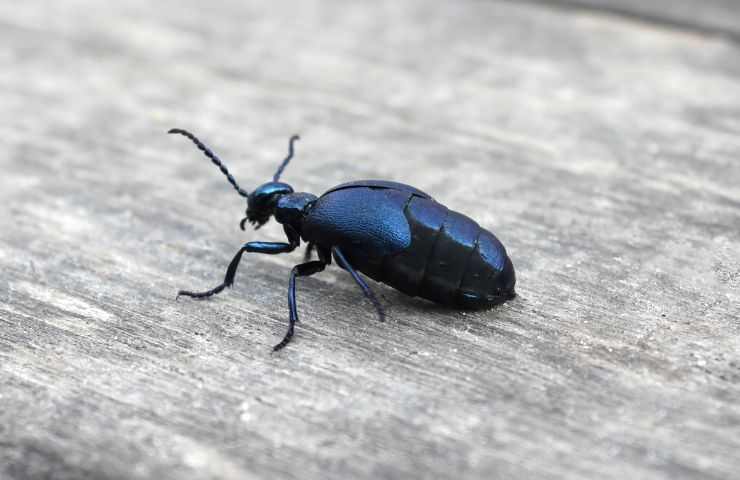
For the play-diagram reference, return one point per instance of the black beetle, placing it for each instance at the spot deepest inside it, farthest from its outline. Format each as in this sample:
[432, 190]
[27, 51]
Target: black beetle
[391, 232]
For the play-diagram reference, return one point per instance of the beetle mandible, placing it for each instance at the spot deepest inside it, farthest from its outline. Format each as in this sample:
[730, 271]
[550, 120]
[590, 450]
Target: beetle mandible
[391, 232]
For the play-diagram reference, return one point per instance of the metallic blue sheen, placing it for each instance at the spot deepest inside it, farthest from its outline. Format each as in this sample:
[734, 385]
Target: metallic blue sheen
[359, 220]
[290, 209]
[261, 202]
[381, 184]
[449, 258]
[444, 264]
[491, 250]
[398, 235]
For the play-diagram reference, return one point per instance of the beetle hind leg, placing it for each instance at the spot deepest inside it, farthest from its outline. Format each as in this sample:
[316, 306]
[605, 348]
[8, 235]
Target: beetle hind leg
[344, 263]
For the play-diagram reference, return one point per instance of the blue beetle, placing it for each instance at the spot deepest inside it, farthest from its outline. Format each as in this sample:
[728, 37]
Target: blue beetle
[393, 233]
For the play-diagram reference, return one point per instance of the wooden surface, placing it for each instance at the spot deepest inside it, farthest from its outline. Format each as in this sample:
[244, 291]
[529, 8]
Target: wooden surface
[602, 148]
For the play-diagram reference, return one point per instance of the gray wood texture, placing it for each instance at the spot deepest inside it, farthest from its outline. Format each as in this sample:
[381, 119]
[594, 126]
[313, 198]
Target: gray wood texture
[707, 17]
[602, 149]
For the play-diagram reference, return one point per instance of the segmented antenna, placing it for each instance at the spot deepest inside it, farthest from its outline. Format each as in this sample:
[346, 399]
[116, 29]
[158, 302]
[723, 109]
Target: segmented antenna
[282, 166]
[216, 161]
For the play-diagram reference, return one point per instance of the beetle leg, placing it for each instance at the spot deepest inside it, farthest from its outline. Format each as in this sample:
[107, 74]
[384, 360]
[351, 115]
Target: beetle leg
[342, 261]
[308, 252]
[301, 270]
[256, 247]
[271, 248]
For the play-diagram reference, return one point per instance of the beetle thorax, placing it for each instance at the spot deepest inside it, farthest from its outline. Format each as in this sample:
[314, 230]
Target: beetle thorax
[291, 208]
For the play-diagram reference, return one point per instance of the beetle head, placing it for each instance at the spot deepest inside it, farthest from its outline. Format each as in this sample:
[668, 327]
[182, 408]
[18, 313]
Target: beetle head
[261, 203]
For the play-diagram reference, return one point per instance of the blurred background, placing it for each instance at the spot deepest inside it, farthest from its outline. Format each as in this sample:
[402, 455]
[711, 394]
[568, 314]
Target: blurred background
[598, 139]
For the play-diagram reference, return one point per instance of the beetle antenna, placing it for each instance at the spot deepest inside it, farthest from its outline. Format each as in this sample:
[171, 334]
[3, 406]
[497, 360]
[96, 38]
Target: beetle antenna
[282, 166]
[214, 158]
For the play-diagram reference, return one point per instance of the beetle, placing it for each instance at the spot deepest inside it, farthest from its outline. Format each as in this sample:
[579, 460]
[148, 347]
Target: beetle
[393, 233]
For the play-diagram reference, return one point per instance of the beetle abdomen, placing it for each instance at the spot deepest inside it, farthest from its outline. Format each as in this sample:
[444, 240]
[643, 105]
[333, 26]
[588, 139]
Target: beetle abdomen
[400, 236]
[451, 259]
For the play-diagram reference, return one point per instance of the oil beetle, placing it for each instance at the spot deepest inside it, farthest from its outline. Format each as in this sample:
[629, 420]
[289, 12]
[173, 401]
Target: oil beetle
[391, 232]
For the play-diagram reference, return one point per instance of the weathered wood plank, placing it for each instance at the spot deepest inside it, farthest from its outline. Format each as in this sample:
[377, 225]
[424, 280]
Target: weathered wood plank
[602, 151]
[709, 17]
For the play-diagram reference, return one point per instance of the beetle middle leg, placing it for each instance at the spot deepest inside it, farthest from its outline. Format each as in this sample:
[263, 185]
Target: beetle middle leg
[308, 252]
[255, 247]
[301, 270]
[344, 263]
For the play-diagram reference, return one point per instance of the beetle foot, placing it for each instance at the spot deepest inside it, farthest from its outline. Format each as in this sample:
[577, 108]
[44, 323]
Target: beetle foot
[201, 295]
[378, 307]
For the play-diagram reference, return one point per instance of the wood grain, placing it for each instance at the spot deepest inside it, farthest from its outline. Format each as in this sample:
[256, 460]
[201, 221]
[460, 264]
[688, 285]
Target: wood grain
[601, 150]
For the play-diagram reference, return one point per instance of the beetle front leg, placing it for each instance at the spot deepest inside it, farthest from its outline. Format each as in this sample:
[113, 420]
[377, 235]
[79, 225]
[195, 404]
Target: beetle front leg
[270, 248]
